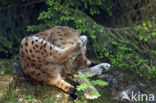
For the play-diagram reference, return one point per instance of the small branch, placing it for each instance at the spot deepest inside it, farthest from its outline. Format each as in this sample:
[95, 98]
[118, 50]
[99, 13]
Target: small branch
[116, 32]
[118, 29]
[147, 66]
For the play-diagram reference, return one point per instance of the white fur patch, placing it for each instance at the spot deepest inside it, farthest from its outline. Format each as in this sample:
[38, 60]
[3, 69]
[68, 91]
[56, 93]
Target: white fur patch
[83, 38]
[99, 68]
[96, 70]
[105, 66]
[44, 41]
[88, 62]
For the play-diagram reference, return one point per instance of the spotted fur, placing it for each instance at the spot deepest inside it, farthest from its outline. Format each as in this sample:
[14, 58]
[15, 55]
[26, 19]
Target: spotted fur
[53, 55]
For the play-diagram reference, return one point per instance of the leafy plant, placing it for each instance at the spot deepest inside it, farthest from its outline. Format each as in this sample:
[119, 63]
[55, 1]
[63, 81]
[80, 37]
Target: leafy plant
[88, 83]
[134, 51]
[131, 49]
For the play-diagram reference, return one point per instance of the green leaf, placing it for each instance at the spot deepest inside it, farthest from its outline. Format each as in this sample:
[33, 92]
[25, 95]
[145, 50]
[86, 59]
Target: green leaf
[95, 93]
[99, 82]
[153, 33]
[83, 86]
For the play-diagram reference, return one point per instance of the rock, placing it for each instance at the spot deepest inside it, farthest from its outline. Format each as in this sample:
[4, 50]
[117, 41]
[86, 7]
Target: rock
[17, 70]
[5, 81]
[113, 80]
[127, 92]
[133, 94]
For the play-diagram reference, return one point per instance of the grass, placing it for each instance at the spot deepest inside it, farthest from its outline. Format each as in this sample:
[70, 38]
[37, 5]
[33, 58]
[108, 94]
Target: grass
[11, 96]
[36, 95]
[6, 67]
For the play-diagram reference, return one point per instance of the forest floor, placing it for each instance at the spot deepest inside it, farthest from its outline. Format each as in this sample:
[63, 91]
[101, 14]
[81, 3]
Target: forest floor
[15, 89]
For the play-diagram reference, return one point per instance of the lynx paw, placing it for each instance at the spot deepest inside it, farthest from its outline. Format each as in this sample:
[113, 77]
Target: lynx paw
[83, 38]
[83, 41]
[98, 69]
[104, 66]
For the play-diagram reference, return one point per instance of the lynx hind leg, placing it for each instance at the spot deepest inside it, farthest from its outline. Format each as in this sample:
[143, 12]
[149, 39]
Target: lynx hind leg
[65, 86]
[96, 70]
[53, 72]
[105, 66]
[50, 75]
[62, 84]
